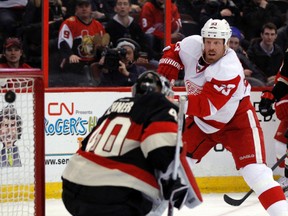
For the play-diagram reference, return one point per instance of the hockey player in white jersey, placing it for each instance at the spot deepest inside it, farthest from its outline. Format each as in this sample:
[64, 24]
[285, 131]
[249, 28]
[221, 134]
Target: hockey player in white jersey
[125, 165]
[219, 108]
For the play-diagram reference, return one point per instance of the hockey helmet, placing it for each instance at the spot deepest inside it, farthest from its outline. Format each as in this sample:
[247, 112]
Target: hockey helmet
[215, 28]
[150, 81]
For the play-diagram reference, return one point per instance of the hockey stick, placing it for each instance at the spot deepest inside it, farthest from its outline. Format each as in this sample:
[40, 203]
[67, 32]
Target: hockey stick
[235, 202]
[182, 100]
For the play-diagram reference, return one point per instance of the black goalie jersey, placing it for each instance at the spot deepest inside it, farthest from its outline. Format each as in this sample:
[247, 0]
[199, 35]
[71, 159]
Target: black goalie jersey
[133, 137]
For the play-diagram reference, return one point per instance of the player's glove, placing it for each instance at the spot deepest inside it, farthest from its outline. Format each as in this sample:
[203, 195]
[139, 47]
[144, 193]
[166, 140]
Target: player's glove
[265, 105]
[281, 108]
[174, 191]
[170, 64]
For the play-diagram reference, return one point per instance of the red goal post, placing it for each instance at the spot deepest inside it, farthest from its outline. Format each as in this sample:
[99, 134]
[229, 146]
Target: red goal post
[22, 149]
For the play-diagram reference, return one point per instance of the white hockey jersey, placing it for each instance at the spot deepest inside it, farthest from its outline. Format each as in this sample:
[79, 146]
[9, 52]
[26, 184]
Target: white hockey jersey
[214, 90]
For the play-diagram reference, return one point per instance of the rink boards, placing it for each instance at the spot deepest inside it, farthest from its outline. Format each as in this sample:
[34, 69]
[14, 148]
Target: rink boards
[70, 116]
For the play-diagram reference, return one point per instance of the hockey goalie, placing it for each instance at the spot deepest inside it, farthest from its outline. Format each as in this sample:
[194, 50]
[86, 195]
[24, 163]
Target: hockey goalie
[127, 164]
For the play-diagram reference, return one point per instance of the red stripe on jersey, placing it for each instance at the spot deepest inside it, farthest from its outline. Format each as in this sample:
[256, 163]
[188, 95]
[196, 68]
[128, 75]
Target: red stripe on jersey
[135, 132]
[216, 92]
[271, 196]
[126, 168]
[159, 127]
[284, 78]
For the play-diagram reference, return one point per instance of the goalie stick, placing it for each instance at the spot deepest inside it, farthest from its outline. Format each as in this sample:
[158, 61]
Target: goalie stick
[238, 202]
[182, 100]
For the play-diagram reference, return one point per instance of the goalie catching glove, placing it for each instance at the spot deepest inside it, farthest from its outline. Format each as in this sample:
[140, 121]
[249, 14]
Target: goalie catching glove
[265, 106]
[170, 64]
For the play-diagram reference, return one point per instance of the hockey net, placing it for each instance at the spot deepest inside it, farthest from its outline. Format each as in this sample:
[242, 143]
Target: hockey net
[22, 179]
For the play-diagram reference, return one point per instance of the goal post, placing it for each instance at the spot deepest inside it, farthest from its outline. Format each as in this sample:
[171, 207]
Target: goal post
[22, 149]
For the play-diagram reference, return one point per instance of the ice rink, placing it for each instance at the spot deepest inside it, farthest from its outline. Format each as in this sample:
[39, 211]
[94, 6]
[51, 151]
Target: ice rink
[213, 205]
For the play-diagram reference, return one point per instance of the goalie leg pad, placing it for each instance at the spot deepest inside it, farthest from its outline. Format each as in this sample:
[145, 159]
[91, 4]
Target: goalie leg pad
[194, 197]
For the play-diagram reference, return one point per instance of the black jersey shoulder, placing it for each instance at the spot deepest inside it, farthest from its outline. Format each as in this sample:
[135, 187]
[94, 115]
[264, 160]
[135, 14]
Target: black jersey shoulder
[151, 105]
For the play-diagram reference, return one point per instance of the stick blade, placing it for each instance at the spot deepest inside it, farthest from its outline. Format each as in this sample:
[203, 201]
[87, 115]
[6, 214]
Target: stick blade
[231, 201]
[235, 202]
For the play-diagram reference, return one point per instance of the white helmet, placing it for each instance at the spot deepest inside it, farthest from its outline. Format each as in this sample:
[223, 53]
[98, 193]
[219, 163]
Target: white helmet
[216, 29]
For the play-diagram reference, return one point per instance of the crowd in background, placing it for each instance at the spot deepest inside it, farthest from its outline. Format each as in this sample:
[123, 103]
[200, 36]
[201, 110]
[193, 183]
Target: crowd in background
[85, 36]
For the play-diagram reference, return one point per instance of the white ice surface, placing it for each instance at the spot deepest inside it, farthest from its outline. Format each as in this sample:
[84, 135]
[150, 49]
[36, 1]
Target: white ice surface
[213, 205]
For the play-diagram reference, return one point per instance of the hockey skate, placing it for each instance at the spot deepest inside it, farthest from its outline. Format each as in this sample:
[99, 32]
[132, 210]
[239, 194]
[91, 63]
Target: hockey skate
[283, 181]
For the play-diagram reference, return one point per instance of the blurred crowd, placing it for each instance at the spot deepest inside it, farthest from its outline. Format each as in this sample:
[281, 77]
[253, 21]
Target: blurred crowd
[111, 42]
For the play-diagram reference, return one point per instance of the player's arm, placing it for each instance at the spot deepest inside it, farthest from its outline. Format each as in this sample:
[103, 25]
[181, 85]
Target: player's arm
[214, 95]
[277, 94]
[147, 21]
[65, 41]
[176, 23]
[280, 92]
[281, 87]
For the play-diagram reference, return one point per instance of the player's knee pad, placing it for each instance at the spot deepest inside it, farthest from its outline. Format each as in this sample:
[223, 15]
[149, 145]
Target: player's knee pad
[259, 177]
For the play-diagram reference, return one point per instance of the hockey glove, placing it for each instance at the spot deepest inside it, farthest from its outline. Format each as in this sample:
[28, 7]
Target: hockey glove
[170, 64]
[174, 191]
[281, 109]
[265, 106]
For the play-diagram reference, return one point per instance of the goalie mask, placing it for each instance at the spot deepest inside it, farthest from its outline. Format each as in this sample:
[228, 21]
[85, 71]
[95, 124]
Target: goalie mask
[151, 81]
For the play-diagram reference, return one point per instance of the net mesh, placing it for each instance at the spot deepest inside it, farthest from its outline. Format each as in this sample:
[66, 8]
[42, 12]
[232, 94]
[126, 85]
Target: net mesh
[17, 162]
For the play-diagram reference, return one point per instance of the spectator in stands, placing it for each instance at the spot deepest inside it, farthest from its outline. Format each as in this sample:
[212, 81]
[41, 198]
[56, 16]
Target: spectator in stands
[220, 9]
[282, 38]
[31, 33]
[136, 6]
[265, 54]
[254, 76]
[105, 7]
[56, 10]
[102, 10]
[191, 8]
[10, 132]
[13, 56]
[120, 70]
[11, 13]
[80, 37]
[124, 26]
[256, 13]
[152, 22]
